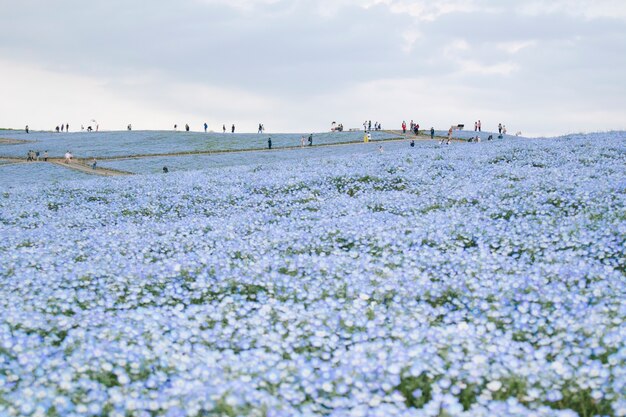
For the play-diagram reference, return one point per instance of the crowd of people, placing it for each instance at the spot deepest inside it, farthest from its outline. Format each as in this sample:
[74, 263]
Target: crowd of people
[367, 126]
[33, 156]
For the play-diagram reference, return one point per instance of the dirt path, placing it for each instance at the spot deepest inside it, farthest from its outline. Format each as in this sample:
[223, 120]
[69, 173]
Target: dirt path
[424, 135]
[82, 166]
[230, 151]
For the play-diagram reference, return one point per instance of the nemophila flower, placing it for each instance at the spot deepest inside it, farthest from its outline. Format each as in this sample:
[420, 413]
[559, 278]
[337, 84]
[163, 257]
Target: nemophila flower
[490, 276]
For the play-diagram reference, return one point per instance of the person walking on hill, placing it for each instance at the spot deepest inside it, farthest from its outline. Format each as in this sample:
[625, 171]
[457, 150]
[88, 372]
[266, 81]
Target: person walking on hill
[432, 133]
[479, 126]
[269, 143]
[403, 127]
[500, 128]
[26, 129]
[186, 127]
[232, 129]
[223, 128]
[206, 126]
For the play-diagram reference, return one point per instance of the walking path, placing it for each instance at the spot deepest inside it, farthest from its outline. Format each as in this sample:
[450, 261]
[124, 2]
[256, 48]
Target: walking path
[85, 165]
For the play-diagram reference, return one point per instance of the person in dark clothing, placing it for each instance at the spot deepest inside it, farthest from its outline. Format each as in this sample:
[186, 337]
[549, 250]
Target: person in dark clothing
[311, 139]
[232, 128]
[67, 127]
[26, 128]
[269, 143]
[186, 127]
[165, 170]
[432, 132]
[206, 126]
[412, 143]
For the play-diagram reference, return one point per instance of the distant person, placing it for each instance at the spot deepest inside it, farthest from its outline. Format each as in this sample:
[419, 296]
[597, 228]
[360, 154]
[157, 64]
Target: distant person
[175, 127]
[97, 127]
[186, 127]
[432, 133]
[311, 139]
[260, 128]
[57, 129]
[67, 127]
[403, 127]
[499, 128]
[89, 129]
[94, 163]
[37, 156]
[302, 139]
[269, 143]
[475, 126]
[45, 156]
[206, 126]
[490, 137]
[62, 127]
[503, 129]
[165, 170]
[479, 126]
[449, 136]
[68, 157]
[232, 129]
[129, 127]
[26, 129]
[380, 148]
[369, 125]
[223, 128]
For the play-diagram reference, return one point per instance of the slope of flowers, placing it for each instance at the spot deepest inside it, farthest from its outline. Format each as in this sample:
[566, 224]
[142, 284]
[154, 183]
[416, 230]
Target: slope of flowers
[155, 164]
[147, 142]
[462, 280]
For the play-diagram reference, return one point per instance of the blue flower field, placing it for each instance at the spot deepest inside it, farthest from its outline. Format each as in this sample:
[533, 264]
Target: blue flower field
[471, 280]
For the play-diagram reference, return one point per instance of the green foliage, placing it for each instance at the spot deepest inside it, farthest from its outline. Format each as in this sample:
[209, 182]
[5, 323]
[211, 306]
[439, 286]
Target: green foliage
[409, 384]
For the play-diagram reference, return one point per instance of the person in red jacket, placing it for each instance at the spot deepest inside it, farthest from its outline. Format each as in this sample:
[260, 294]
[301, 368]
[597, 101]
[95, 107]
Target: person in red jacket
[403, 126]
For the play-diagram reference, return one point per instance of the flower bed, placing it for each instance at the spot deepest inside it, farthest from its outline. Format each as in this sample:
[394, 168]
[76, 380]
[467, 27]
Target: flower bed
[462, 280]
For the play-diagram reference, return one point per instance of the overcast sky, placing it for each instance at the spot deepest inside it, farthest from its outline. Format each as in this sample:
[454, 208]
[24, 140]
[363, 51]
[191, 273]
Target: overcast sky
[542, 68]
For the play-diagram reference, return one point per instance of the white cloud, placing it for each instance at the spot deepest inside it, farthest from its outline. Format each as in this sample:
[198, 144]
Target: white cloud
[479, 68]
[410, 36]
[589, 9]
[514, 47]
